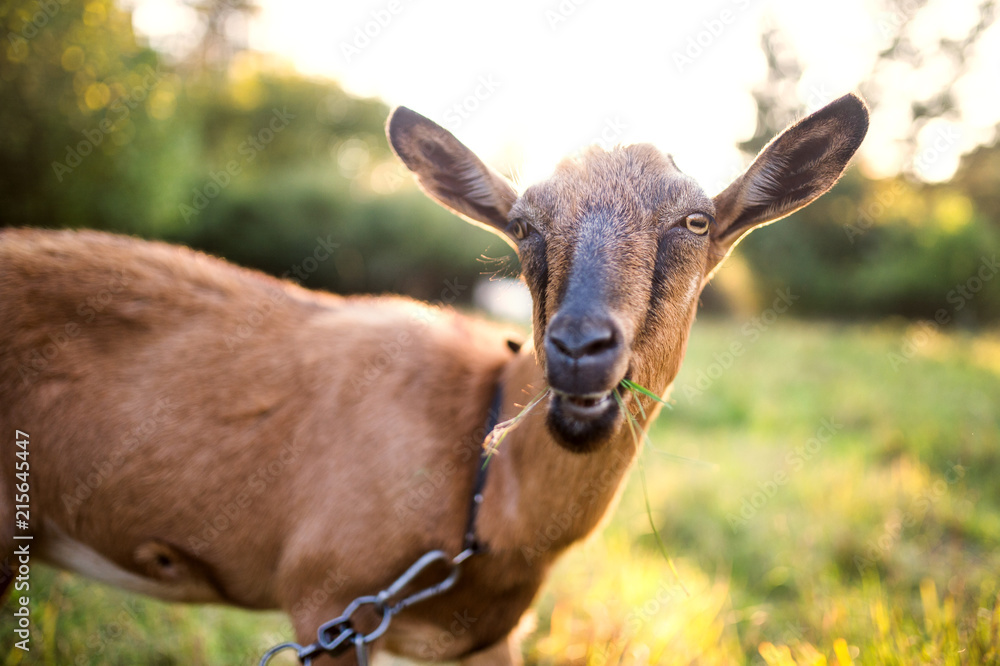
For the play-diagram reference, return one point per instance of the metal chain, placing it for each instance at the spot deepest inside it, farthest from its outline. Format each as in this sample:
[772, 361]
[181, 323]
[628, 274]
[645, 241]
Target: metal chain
[338, 635]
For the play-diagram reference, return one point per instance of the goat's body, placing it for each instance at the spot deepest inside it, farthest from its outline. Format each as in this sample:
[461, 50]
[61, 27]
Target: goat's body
[350, 427]
[203, 433]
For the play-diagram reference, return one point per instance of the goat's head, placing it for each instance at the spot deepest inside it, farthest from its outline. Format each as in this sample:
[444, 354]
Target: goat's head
[617, 245]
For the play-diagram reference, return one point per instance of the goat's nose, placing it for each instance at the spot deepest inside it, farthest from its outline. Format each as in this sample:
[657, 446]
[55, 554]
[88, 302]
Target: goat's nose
[579, 337]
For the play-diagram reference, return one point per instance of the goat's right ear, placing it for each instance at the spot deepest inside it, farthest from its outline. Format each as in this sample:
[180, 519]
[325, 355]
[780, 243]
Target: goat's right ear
[449, 172]
[793, 170]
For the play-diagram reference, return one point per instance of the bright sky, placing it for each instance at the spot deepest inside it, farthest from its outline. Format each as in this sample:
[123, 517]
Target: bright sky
[524, 83]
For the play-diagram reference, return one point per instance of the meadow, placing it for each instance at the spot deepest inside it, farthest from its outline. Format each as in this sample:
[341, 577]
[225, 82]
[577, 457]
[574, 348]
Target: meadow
[829, 493]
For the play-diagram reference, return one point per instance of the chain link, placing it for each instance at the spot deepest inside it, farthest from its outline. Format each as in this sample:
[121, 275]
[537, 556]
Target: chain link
[338, 635]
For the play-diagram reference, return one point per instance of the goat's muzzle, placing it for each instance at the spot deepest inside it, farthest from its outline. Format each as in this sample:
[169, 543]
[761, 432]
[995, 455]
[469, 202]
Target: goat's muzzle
[585, 360]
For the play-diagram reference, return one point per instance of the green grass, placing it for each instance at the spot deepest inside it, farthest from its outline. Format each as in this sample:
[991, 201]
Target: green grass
[845, 512]
[870, 510]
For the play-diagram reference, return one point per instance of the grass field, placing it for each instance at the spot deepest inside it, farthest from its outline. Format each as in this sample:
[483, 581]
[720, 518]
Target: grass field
[829, 494]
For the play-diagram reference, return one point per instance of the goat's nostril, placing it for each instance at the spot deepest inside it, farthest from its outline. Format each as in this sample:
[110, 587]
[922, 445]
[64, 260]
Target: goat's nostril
[561, 344]
[578, 339]
[602, 340]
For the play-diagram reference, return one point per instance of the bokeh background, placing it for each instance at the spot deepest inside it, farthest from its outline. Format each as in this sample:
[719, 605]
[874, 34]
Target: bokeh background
[826, 481]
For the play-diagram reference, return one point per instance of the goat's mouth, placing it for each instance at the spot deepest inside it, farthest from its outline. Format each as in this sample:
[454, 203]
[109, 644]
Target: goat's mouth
[581, 423]
[585, 406]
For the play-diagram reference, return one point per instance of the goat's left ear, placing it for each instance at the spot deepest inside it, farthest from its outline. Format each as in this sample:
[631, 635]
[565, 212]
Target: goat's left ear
[449, 172]
[793, 170]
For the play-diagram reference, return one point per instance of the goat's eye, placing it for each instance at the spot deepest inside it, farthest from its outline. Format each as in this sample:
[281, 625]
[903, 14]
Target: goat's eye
[519, 228]
[698, 223]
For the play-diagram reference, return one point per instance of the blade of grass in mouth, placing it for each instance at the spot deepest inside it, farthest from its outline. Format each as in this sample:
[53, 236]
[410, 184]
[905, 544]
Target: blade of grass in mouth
[499, 433]
[633, 426]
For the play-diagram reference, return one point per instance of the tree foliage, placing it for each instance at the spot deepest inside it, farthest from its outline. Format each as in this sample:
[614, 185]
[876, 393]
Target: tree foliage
[896, 246]
[237, 156]
[231, 152]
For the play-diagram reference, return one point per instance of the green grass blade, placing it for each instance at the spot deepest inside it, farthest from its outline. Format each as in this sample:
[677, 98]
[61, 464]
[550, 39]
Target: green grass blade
[656, 532]
[630, 420]
[499, 433]
[684, 459]
[632, 386]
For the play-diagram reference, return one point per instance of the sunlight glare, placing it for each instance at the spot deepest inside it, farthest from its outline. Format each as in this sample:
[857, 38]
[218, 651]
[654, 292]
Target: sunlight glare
[526, 84]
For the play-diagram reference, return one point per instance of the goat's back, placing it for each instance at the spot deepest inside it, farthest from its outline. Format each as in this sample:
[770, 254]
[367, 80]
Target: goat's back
[208, 399]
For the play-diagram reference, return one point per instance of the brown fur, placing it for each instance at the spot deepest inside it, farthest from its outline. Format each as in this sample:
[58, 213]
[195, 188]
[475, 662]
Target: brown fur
[164, 390]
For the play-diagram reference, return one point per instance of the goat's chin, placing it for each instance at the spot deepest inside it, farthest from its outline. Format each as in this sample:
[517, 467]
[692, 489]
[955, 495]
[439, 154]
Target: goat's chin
[582, 429]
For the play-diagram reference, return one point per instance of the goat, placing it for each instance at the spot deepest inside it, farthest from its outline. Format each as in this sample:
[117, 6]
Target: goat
[198, 431]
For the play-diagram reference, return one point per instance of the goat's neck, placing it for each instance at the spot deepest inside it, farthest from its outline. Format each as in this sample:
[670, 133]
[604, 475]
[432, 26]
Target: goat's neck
[540, 498]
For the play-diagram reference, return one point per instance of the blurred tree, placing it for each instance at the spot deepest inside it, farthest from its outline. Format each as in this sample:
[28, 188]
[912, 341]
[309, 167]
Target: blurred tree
[904, 51]
[978, 177]
[779, 100]
[231, 152]
[896, 246]
[225, 27]
[228, 151]
[84, 107]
